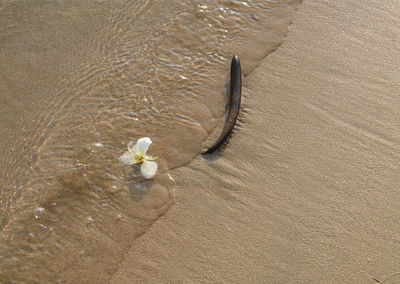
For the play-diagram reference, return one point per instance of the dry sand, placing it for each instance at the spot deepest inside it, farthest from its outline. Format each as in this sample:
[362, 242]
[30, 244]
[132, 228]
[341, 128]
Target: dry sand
[307, 190]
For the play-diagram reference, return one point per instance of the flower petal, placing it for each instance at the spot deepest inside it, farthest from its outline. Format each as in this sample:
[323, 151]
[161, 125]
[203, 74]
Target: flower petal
[148, 169]
[142, 145]
[150, 158]
[128, 159]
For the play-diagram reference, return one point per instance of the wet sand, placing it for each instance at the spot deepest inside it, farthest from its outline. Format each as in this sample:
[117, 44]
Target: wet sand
[81, 79]
[307, 189]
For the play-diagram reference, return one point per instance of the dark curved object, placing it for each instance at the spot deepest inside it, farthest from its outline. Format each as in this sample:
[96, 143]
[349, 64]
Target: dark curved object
[234, 104]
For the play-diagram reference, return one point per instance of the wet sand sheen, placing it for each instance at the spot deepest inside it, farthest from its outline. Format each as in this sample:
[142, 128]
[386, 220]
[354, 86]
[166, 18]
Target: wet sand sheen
[80, 79]
[307, 190]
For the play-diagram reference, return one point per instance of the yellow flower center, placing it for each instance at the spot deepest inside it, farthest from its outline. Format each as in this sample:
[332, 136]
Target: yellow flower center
[140, 158]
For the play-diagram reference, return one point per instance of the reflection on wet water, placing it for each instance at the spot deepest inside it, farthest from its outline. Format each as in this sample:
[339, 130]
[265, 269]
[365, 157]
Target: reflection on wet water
[79, 80]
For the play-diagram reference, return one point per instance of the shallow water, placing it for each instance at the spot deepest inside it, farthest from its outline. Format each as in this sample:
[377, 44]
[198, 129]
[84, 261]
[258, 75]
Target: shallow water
[81, 79]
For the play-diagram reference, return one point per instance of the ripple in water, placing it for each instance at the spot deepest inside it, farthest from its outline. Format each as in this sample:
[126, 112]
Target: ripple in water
[83, 78]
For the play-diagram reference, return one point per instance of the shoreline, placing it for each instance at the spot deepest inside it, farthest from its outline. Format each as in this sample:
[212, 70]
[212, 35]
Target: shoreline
[81, 80]
[306, 190]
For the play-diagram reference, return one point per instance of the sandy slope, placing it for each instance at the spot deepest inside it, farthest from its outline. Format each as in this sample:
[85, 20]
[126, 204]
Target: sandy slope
[308, 189]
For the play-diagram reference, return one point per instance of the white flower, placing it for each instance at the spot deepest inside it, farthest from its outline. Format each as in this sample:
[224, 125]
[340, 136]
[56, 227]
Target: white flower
[137, 154]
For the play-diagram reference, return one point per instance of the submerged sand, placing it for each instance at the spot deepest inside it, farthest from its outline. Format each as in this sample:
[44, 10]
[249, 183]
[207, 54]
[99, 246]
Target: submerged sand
[307, 189]
[79, 80]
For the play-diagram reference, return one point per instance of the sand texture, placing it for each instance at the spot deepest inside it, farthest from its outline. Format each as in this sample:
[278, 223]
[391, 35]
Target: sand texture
[307, 189]
[79, 81]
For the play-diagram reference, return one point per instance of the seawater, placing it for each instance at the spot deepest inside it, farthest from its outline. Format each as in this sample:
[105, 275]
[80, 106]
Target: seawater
[81, 79]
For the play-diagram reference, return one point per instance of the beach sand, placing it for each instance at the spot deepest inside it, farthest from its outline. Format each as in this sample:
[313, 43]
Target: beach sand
[307, 189]
[79, 80]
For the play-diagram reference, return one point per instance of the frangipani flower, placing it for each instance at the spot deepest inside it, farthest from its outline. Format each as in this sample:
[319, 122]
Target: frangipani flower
[138, 154]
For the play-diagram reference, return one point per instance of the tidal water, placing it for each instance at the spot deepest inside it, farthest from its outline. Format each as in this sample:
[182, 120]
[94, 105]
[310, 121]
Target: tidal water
[81, 79]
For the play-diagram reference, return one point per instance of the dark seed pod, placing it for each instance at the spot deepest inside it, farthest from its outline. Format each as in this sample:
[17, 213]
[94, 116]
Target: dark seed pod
[234, 104]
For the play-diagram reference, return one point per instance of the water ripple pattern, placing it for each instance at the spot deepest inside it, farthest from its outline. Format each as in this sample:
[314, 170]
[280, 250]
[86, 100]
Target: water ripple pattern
[81, 79]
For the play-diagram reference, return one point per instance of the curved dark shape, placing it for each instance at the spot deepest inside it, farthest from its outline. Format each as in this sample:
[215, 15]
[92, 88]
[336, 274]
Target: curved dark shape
[234, 104]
